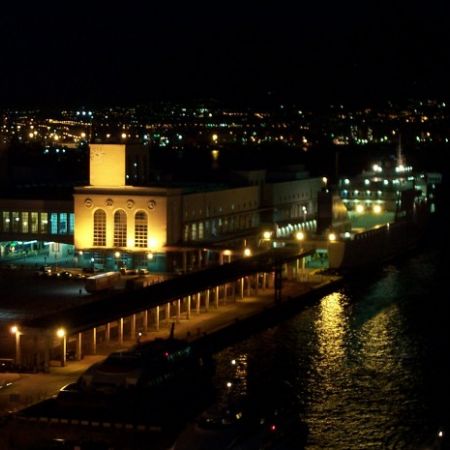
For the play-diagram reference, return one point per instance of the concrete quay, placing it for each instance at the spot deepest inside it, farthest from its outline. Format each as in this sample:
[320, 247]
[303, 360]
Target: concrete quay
[19, 390]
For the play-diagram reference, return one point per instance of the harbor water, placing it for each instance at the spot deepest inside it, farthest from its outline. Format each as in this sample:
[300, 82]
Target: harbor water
[366, 366]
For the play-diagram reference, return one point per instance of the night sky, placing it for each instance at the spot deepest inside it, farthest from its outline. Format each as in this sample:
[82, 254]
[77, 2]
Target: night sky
[74, 53]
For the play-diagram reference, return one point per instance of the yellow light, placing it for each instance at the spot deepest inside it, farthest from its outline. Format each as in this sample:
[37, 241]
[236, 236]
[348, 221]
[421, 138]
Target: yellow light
[60, 332]
[215, 137]
[359, 208]
[150, 255]
[227, 252]
[267, 234]
[117, 254]
[14, 329]
[123, 135]
[152, 242]
[31, 135]
[324, 180]
[247, 252]
[377, 209]
[215, 154]
[56, 137]
[332, 237]
[300, 236]
[83, 134]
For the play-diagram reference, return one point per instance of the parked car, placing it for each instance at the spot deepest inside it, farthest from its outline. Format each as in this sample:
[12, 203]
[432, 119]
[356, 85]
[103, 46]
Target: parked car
[66, 274]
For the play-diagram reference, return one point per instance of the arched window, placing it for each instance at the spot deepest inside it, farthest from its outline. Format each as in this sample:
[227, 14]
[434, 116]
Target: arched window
[140, 229]
[120, 229]
[99, 228]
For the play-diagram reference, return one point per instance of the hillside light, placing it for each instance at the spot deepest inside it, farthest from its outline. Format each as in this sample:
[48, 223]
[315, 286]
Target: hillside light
[300, 236]
[332, 237]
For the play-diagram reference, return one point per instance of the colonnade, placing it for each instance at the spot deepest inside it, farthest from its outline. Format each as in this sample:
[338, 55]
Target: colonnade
[36, 348]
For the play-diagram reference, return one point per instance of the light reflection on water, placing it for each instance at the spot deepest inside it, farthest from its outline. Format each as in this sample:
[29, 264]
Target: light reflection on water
[363, 363]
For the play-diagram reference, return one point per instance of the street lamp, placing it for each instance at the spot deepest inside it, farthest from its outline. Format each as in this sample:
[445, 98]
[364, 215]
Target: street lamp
[61, 334]
[15, 330]
[300, 236]
[247, 252]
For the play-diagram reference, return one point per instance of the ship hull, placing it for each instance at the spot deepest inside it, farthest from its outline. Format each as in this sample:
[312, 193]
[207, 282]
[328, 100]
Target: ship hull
[374, 247]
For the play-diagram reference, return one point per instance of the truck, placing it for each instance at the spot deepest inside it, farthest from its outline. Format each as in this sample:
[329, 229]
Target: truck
[102, 281]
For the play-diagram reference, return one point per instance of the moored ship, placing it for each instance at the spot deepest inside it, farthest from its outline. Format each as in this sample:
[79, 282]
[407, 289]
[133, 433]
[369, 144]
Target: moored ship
[375, 216]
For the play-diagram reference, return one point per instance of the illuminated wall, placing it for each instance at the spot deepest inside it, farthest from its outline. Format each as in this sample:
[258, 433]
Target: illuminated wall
[130, 200]
[107, 165]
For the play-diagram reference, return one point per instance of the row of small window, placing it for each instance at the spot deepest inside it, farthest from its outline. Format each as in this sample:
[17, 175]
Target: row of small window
[220, 209]
[346, 193]
[37, 222]
[120, 229]
[216, 227]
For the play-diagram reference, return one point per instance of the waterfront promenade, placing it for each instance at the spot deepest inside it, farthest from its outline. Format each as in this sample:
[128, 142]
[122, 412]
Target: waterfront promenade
[19, 390]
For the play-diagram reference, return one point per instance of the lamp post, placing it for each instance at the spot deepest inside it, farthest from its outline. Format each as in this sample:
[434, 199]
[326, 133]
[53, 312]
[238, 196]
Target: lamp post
[16, 332]
[117, 256]
[61, 333]
[305, 212]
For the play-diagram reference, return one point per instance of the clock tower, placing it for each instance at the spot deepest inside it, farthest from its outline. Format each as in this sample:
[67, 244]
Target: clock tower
[107, 165]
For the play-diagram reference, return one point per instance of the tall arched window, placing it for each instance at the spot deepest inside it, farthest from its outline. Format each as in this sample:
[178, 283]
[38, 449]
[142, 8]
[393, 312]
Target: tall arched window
[120, 229]
[99, 228]
[140, 229]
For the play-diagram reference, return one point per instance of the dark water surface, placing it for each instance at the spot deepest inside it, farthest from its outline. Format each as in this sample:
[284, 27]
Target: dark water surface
[366, 367]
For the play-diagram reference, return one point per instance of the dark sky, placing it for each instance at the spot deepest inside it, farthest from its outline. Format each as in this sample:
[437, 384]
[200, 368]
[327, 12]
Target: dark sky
[320, 51]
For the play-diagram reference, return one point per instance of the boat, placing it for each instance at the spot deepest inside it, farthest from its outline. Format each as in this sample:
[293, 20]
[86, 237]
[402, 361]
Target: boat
[375, 216]
[150, 366]
[161, 368]
[243, 418]
[243, 425]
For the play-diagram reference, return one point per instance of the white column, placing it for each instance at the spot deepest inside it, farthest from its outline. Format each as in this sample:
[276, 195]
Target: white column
[145, 320]
[207, 300]
[157, 319]
[94, 340]
[78, 351]
[120, 331]
[198, 303]
[108, 332]
[133, 327]
[188, 310]
[167, 312]
[216, 297]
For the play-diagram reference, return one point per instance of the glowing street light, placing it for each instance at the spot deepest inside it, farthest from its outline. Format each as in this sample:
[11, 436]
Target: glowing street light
[377, 209]
[16, 332]
[300, 236]
[267, 235]
[247, 252]
[61, 334]
[332, 237]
